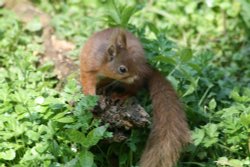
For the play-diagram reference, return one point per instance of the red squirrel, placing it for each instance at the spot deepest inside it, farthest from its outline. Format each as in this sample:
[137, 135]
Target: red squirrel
[117, 54]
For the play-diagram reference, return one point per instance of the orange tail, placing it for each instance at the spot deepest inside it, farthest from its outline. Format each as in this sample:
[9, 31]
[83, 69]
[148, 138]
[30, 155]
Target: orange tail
[170, 130]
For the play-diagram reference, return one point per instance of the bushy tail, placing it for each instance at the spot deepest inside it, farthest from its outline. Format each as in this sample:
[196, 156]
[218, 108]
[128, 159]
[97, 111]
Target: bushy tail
[170, 130]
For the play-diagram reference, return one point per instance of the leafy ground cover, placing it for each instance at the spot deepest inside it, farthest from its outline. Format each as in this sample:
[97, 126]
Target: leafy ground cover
[201, 46]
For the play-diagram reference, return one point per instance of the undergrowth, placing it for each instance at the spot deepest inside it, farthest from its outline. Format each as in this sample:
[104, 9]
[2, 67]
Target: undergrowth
[202, 47]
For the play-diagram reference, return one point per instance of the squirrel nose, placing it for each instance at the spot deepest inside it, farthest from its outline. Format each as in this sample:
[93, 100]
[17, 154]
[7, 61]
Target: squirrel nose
[122, 69]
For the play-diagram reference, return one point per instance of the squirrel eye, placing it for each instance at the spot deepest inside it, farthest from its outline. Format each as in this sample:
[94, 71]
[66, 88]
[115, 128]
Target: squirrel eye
[122, 69]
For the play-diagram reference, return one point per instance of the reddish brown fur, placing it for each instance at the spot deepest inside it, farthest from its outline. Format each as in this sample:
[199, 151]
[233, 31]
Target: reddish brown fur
[170, 131]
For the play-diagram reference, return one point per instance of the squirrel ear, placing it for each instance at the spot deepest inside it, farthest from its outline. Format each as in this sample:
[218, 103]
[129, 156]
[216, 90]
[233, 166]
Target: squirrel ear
[121, 41]
[118, 41]
[111, 52]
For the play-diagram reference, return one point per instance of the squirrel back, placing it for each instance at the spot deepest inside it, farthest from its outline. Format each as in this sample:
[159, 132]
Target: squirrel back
[117, 54]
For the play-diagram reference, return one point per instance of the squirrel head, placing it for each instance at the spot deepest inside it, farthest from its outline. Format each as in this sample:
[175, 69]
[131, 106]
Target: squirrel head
[119, 64]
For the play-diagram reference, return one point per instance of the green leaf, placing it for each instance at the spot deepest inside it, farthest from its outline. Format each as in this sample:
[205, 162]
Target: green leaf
[127, 13]
[245, 119]
[59, 115]
[235, 163]
[192, 87]
[211, 131]
[190, 90]
[153, 28]
[67, 119]
[34, 25]
[72, 162]
[123, 158]
[245, 5]
[75, 136]
[39, 100]
[20, 109]
[198, 136]
[29, 155]
[86, 159]
[32, 135]
[222, 161]
[87, 102]
[119, 15]
[185, 54]
[212, 104]
[113, 14]
[8, 155]
[239, 98]
[164, 59]
[94, 136]
[57, 106]
[41, 147]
